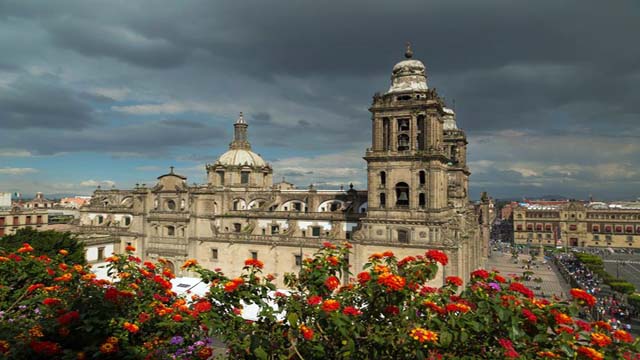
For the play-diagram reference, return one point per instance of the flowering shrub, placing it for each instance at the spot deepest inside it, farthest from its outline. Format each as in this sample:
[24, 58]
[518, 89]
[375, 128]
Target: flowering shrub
[53, 309]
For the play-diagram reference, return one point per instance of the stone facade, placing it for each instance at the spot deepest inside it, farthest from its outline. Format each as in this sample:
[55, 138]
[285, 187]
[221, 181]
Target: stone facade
[417, 199]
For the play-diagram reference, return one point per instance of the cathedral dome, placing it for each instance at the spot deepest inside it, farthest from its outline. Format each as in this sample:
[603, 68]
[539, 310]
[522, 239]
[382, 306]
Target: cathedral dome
[449, 120]
[408, 75]
[241, 157]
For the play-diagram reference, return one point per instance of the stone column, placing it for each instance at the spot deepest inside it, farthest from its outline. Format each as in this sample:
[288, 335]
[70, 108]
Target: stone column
[393, 142]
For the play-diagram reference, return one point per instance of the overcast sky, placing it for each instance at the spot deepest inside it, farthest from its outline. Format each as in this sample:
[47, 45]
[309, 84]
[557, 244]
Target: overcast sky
[115, 92]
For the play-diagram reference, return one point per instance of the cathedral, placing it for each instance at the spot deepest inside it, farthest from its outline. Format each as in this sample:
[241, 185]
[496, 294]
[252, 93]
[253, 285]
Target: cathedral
[416, 199]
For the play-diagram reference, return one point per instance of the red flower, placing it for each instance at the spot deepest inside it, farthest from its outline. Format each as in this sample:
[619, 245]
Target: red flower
[143, 317]
[330, 305]
[177, 317]
[364, 277]
[352, 311]
[422, 335]
[454, 280]
[562, 318]
[602, 325]
[254, 262]
[518, 287]
[232, 285]
[149, 265]
[392, 310]
[34, 287]
[580, 294]
[583, 325]
[623, 336]
[437, 256]
[333, 260]
[48, 348]
[332, 283]
[202, 306]
[52, 301]
[499, 278]
[68, 318]
[130, 248]
[406, 260]
[509, 351]
[328, 245]
[388, 253]
[480, 273]
[529, 315]
[456, 307]
[307, 333]
[314, 300]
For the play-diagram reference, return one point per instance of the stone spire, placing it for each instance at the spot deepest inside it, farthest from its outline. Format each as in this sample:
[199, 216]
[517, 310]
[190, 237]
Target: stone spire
[240, 140]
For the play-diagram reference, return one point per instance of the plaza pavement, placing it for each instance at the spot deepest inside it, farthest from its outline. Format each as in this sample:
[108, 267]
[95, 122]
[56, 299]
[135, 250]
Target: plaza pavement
[552, 283]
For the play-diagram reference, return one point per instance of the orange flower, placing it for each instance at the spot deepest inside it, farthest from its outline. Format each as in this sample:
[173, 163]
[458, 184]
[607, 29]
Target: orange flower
[333, 260]
[364, 277]
[232, 285]
[590, 353]
[87, 277]
[254, 262]
[602, 325]
[4, 347]
[130, 248]
[112, 259]
[378, 269]
[51, 301]
[132, 328]
[330, 305]
[422, 335]
[25, 248]
[112, 340]
[599, 339]
[332, 283]
[392, 282]
[376, 256]
[307, 333]
[623, 336]
[65, 277]
[562, 318]
[387, 253]
[63, 252]
[189, 263]
[108, 348]
[548, 354]
[583, 296]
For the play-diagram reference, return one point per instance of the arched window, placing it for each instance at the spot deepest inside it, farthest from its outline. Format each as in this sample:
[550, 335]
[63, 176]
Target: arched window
[422, 200]
[402, 194]
[127, 221]
[385, 134]
[423, 177]
[383, 200]
[383, 178]
[171, 231]
[171, 205]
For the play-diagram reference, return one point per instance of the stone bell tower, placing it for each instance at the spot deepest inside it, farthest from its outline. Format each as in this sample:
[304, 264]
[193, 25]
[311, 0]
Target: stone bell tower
[408, 163]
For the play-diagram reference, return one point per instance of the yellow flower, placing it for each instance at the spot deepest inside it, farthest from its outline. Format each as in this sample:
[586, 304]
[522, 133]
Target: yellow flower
[422, 335]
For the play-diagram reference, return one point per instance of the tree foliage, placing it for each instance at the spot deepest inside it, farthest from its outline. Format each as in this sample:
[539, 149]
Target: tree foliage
[47, 242]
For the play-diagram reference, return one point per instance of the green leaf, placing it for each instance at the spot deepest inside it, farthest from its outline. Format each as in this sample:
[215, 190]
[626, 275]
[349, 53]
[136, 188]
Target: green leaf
[445, 338]
[293, 319]
[260, 353]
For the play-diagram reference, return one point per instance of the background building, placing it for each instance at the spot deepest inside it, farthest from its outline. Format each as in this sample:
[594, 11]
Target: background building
[578, 224]
[417, 199]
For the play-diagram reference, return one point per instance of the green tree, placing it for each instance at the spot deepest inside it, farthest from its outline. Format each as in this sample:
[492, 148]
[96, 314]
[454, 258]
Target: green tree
[46, 243]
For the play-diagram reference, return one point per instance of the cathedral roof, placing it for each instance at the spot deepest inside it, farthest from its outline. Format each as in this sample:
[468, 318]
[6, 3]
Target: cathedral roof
[408, 75]
[240, 157]
[449, 120]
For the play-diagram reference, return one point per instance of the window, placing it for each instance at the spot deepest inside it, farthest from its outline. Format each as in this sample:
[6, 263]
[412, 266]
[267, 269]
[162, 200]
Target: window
[573, 227]
[403, 124]
[100, 253]
[403, 236]
[100, 219]
[1, 221]
[298, 260]
[629, 229]
[171, 231]
[171, 205]
[254, 255]
[383, 178]
[403, 142]
[607, 229]
[214, 254]
[529, 227]
[275, 229]
[383, 200]
[28, 219]
[422, 200]
[315, 231]
[39, 219]
[237, 227]
[539, 227]
[618, 229]
[608, 238]
[423, 177]
[629, 238]
[519, 227]
[127, 221]
[547, 227]
[244, 177]
[596, 228]
[402, 195]
[596, 237]
[297, 206]
[220, 177]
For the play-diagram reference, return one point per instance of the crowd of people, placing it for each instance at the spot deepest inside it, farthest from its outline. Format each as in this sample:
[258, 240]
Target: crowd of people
[609, 306]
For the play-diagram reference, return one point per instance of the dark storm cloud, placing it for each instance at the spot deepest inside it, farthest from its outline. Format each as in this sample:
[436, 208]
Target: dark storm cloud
[149, 138]
[38, 103]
